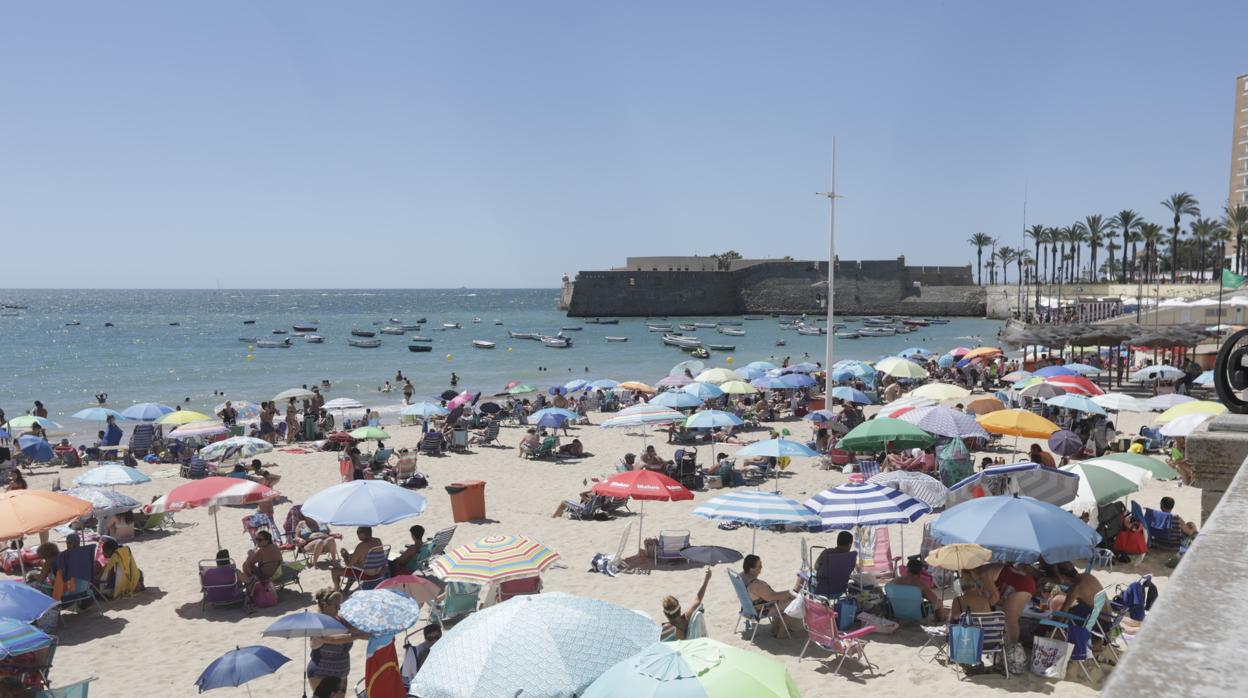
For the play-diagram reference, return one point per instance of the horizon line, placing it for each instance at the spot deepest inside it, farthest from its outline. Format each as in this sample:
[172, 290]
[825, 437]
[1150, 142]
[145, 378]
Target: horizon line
[283, 288]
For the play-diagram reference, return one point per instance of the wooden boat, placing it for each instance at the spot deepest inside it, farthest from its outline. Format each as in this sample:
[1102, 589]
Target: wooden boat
[705, 325]
[109, 324]
[172, 324]
[419, 338]
[730, 323]
[279, 331]
[938, 321]
[498, 322]
[914, 322]
[364, 343]
[809, 330]
[363, 333]
[675, 340]
[411, 328]
[617, 339]
[419, 347]
[877, 332]
[731, 332]
[723, 347]
[303, 328]
[482, 344]
[72, 323]
[476, 320]
[393, 330]
[523, 335]
[608, 322]
[273, 344]
[313, 339]
[659, 328]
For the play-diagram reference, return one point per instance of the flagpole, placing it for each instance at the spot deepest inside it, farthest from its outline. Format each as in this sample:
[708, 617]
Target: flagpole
[1221, 263]
[832, 197]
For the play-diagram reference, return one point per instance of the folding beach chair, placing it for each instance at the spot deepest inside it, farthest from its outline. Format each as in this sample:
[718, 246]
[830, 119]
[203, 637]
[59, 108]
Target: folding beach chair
[831, 572]
[822, 630]
[220, 584]
[907, 602]
[993, 626]
[433, 444]
[668, 546]
[458, 600]
[437, 547]
[519, 587]
[875, 554]
[374, 569]
[581, 512]
[869, 468]
[74, 690]
[753, 614]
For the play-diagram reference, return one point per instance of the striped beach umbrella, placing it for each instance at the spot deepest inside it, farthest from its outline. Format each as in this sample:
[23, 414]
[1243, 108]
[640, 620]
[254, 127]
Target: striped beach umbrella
[756, 509]
[236, 446]
[1160, 470]
[945, 421]
[1049, 485]
[701, 668]
[673, 382]
[211, 492]
[495, 559]
[922, 487]
[864, 504]
[17, 638]
[663, 416]
[1101, 485]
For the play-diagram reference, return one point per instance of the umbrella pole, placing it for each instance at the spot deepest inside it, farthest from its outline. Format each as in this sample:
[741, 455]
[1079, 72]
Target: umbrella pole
[216, 528]
[641, 524]
[306, 680]
[753, 538]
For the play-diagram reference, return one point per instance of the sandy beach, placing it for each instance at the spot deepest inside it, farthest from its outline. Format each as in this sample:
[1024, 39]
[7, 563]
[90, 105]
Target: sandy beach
[163, 636]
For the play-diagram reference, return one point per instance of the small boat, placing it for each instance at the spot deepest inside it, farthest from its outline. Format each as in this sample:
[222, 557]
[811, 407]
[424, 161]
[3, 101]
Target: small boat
[419, 338]
[247, 339]
[781, 342]
[393, 330]
[363, 333]
[419, 347]
[450, 325]
[249, 322]
[72, 323]
[877, 332]
[395, 320]
[365, 343]
[937, 321]
[616, 339]
[700, 353]
[172, 324]
[273, 344]
[851, 334]
[731, 332]
[687, 327]
[303, 328]
[109, 324]
[482, 344]
[659, 328]
[705, 325]
[476, 320]
[731, 323]
[600, 321]
[809, 330]
[498, 322]
[279, 331]
[723, 347]
[913, 322]
[751, 317]
[523, 335]
[313, 339]
[571, 329]
[675, 340]
[10, 313]
[556, 342]
[409, 328]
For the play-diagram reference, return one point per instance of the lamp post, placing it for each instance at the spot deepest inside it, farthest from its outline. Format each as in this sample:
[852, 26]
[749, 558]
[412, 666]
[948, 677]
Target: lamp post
[832, 197]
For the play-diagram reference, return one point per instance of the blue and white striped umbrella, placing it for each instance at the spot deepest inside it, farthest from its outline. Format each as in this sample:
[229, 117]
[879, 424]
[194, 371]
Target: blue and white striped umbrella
[97, 414]
[104, 502]
[804, 367]
[575, 385]
[712, 419]
[677, 400]
[915, 351]
[705, 391]
[757, 509]
[1049, 485]
[762, 365]
[864, 504]
[924, 488]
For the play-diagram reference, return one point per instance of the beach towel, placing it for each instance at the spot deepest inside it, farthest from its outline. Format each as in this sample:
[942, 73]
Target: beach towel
[294, 450]
[128, 576]
[73, 567]
[381, 669]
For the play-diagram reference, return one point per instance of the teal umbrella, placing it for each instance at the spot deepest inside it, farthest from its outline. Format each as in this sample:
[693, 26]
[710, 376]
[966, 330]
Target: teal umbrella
[883, 432]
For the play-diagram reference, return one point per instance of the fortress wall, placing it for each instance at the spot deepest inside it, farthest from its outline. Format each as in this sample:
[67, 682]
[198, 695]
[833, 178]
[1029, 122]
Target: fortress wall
[634, 293]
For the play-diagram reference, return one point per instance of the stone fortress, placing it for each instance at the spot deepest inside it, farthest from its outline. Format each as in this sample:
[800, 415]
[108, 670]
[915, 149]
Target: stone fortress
[700, 285]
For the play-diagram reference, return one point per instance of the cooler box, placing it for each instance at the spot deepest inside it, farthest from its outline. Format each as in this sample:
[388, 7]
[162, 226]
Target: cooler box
[467, 500]
[818, 402]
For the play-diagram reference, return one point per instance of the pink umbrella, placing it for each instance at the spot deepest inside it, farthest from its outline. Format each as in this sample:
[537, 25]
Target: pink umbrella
[674, 381]
[463, 398]
[211, 492]
[959, 352]
[419, 588]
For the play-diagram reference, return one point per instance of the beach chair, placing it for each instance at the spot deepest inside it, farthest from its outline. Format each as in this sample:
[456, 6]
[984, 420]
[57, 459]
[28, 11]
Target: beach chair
[619, 562]
[519, 587]
[404, 468]
[458, 600]
[73, 690]
[869, 468]
[753, 614]
[290, 529]
[993, 626]
[581, 512]
[907, 602]
[822, 630]
[288, 574]
[381, 458]
[875, 555]
[614, 505]
[546, 448]
[154, 522]
[141, 440]
[831, 572]
[257, 522]
[437, 547]
[30, 675]
[374, 569]
[1164, 531]
[459, 439]
[697, 624]
[669, 544]
[220, 584]
[489, 436]
[433, 444]
[194, 469]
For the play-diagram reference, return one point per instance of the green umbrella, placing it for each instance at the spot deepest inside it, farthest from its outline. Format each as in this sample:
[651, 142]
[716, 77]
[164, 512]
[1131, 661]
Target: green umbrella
[369, 433]
[688, 668]
[521, 389]
[1160, 470]
[1099, 485]
[883, 432]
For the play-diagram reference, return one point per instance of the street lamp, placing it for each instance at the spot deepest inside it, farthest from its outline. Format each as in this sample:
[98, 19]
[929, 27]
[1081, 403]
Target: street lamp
[832, 197]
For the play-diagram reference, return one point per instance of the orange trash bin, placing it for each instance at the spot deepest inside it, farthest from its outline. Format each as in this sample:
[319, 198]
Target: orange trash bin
[467, 500]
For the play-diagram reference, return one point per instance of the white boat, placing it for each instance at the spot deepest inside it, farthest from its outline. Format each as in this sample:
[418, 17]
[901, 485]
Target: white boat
[273, 344]
[450, 325]
[393, 330]
[877, 332]
[410, 328]
[476, 320]
[780, 342]
[303, 328]
[846, 335]
[556, 342]
[365, 343]
[732, 332]
[249, 340]
[751, 317]
[419, 338]
[313, 339]
[523, 335]
[482, 344]
[809, 330]
[675, 340]
[498, 322]
[659, 328]
[705, 325]
[687, 326]
[616, 339]
[362, 333]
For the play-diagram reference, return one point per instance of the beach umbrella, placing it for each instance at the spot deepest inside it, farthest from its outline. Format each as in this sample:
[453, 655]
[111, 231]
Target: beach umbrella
[692, 367]
[959, 352]
[422, 589]
[984, 405]
[305, 624]
[945, 421]
[710, 554]
[1078, 403]
[636, 386]
[556, 390]
[574, 385]
[883, 432]
[370, 434]
[380, 611]
[756, 509]
[762, 365]
[24, 512]
[919, 352]
[1031, 479]
[959, 556]
[1049, 371]
[677, 400]
[97, 414]
[551, 421]
[22, 602]
[489, 408]
[1075, 384]
[848, 394]
[212, 492]
[769, 383]
[1205, 407]
[718, 376]
[27, 421]
[865, 504]
[643, 485]
[36, 449]
[701, 668]
[820, 416]
[920, 486]
[146, 411]
[17, 638]
[465, 398]
[946, 360]
[713, 419]
[1017, 529]
[1159, 470]
[1042, 391]
[104, 502]
[339, 437]
[898, 367]
[424, 410]
[1119, 402]
[196, 430]
[737, 388]
[981, 352]
[705, 391]
[667, 416]
[1205, 378]
[907, 403]
[641, 408]
[1083, 369]
[557, 411]
[1102, 485]
[178, 417]
[941, 391]
[1157, 373]
[343, 403]
[777, 448]
[544, 645]
[295, 393]
[244, 408]
[1167, 400]
[364, 503]
[1066, 443]
[494, 559]
[1017, 422]
[449, 395]
[675, 382]
[1183, 426]
[237, 446]
[804, 367]
[240, 665]
[848, 370]
[521, 389]
[603, 384]
[797, 380]
[1017, 376]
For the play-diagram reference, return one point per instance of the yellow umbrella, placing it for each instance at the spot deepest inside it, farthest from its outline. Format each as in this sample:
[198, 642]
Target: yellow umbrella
[737, 388]
[941, 391]
[716, 376]
[1193, 407]
[23, 512]
[637, 386]
[959, 556]
[184, 417]
[982, 351]
[898, 367]
[1017, 423]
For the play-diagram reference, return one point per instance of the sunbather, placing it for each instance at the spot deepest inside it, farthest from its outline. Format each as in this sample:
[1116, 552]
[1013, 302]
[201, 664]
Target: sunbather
[1178, 461]
[355, 559]
[263, 561]
[914, 578]
[1167, 506]
[651, 460]
[121, 528]
[262, 475]
[331, 654]
[314, 539]
[410, 558]
[120, 577]
[677, 620]
[585, 496]
[761, 592]
[529, 443]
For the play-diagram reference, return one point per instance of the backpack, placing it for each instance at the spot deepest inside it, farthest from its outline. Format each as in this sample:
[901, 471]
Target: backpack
[846, 611]
[966, 642]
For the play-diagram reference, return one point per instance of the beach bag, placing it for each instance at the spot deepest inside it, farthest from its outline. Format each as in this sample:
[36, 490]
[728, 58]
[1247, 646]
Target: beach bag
[416, 482]
[846, 610]
[263, 595]
[796, 608]
[1049, 657]
[966, 642]
[1131, 541]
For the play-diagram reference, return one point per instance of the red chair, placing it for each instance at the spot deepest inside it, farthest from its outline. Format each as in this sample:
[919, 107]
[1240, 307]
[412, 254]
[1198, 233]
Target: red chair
[821, 630]
[519, 587]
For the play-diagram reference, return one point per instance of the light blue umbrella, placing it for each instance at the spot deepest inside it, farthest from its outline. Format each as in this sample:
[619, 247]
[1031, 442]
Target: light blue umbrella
[1205, 378]
[35, 448]
[864, 504]
[820, 416]
[777, 448]
[757, 509]
[104, 502]
[848, 394]
[804, 367]
[363, 503]
[762, 365]
[575, 385]
[566, 414]
[751, 373]
[97, 414]
[643, 419]
[677, 400]
[146, 411]
[111, 474]
[712, 419]
[946, 360]
[1079, 403]
[603, 384]
[1050, 371]
[380, 611]
[17, 638]
[769, 383]
[424, 410]
[240, 665]
[1083, 369]
[1017, 529]
[305, 624]
[704, 391]
[550, 644]
[551, 420]
[22, 602]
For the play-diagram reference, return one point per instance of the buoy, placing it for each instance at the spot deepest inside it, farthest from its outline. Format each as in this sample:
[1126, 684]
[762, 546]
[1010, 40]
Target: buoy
[250, 357]
[508, 348]
[449, 357]
[728, 360]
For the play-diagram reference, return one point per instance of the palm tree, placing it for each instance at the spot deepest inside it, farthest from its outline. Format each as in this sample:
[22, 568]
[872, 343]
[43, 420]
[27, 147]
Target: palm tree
[1036, 233]
[1125, 223]
[1076, 235]
[991, 264]
[1006, 254]
[979, 241]
[1180, 204]
[1060, 237]
[1024, 260]
[1151, 235]
[1203, 231]
[1111, 246]
[1096, 229]
[1236, 224]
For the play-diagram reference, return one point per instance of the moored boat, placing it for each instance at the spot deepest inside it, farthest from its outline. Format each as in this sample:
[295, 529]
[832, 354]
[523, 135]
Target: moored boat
[616, 339]
[731, 332]
[700, 353]
[411, 328]
[393, 330]
[781, 342]
[279, 331]
[723, 347]
[273, 344]
[247, 339]
[523, 335]
[687, 326]
[751, 317]
[556, 342]
[363, 333]
[364, 343]
[482, 344]
[419, 347]
[659, 328]
[419, 338]
[313, 339]
[450, 325]
[851, 334]
[572, 328]
[303, 328]
[676, 340]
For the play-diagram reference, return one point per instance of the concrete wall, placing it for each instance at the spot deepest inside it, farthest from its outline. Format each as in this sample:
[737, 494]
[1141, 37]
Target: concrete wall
[941, 276]
[600, 293]
[1003, 299]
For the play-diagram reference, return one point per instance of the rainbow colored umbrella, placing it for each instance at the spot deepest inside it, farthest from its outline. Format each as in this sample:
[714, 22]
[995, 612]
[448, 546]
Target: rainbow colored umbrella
[494, 559]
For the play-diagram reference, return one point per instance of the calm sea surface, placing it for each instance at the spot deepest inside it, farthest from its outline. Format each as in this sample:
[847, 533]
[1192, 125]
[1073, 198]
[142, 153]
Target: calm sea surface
[143, 358]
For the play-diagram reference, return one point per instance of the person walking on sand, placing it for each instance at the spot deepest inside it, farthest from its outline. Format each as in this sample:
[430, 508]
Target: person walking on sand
[292, 422]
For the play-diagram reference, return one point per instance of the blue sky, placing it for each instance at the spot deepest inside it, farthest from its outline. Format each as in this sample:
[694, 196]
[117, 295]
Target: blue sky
[328, 144]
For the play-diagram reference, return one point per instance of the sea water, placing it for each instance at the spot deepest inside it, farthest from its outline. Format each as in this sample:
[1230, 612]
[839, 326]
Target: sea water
[143, 357]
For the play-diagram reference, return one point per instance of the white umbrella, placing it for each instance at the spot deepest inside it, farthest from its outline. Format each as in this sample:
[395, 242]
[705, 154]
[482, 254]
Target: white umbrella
[104, 502]
[1164, 373]
[239, 446]
[296, 393]
[1120, 402]
[344, 403]
[1165, 401]
[1182, 426]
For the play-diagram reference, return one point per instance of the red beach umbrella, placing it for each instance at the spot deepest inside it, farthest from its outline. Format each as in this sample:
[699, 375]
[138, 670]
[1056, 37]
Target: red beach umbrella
[1075, 384]
[212, 492]
[643, 485]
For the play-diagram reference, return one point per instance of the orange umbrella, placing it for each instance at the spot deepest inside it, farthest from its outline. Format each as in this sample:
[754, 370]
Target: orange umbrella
[1018, 423]
[982, 351]
[637, 386]
[984, 405]
[23, 512]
